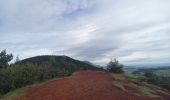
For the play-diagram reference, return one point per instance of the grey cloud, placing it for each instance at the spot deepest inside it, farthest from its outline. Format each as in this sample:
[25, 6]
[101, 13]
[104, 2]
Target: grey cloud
[97, 30]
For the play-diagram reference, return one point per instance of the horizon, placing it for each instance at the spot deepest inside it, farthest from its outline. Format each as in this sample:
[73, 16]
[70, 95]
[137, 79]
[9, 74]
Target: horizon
[134, 32]
[104, 65]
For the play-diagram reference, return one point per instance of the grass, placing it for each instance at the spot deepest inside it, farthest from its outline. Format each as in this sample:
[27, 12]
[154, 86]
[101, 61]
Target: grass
[149, 92]
[13, 94]
[146, 91]
[119, 85]
[118, 82]
[135, 84]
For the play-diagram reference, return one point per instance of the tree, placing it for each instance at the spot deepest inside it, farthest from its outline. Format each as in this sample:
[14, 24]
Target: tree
[17, 59]
[115, 66]
[5, 58]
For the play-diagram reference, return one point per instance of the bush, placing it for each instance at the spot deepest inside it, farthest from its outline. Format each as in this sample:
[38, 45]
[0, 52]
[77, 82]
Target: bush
[115, 66]
[17, 76]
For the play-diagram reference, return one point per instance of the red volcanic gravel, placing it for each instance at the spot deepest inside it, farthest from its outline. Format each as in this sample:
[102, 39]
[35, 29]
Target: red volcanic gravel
[86, 85]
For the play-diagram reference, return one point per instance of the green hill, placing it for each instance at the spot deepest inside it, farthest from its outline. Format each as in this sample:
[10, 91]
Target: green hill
[63, 62]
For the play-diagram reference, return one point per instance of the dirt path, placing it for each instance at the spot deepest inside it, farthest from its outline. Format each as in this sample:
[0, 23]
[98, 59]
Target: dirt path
[86, 85]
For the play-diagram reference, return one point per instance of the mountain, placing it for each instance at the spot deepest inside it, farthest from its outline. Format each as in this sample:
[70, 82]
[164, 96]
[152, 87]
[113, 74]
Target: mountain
[63, 62]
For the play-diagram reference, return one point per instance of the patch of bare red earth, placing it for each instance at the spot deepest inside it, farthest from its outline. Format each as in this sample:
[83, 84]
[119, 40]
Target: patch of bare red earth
[86, 85]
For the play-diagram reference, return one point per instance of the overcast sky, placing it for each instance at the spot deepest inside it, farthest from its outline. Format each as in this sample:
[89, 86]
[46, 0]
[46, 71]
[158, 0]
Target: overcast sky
[134, 31]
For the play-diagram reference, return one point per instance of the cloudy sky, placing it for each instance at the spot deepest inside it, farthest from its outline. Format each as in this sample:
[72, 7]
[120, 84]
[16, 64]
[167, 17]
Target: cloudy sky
[134, 31]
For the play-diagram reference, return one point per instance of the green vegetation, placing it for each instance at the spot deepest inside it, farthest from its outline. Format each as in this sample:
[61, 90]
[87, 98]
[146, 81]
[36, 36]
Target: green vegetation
[137, 86]
[17, 76]
[36, 69]
[115, 66]
[20, 91]
[11, 95]
[146, 90]
[158, 76]
[162, 81]
[5, 58]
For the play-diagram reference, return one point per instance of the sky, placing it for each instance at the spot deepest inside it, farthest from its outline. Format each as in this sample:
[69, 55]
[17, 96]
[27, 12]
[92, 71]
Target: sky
[136, 32]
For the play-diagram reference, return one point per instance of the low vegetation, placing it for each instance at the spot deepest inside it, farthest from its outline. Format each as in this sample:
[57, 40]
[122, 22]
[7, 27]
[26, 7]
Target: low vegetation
[162, 81]
[13, 95]
[158, 76]
[136, 86]
[17, 76]
[119, 84]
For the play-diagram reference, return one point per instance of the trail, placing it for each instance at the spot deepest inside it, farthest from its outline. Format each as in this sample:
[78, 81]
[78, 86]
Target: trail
[86, 85]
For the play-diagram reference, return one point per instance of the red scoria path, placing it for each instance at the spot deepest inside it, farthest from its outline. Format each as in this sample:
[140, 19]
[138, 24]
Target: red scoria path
[86, 85]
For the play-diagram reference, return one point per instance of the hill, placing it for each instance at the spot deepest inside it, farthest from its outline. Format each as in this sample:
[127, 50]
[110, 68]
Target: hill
[62, 62]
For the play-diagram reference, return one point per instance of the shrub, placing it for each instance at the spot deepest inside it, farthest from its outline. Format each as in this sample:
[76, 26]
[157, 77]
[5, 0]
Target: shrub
[115, 66]
[17, 76]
